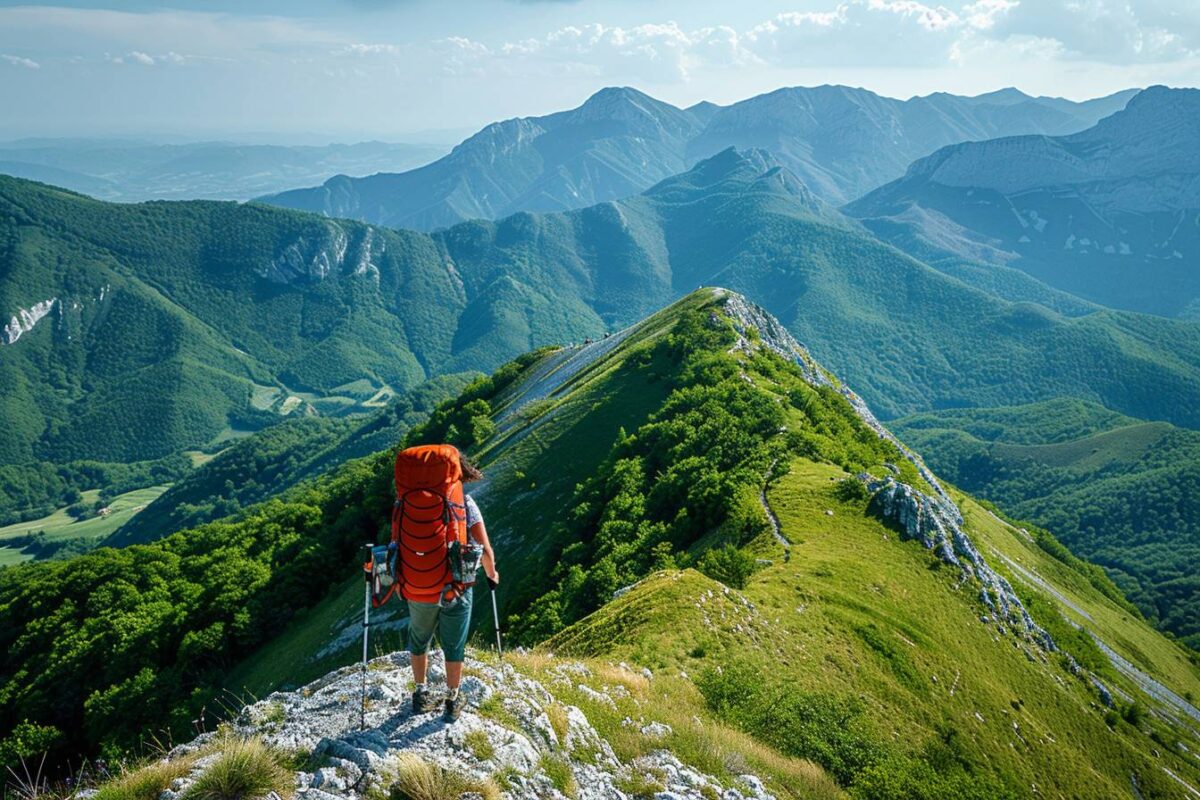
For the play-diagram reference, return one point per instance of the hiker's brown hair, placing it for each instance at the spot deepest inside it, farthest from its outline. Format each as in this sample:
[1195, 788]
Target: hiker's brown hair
[470, 472]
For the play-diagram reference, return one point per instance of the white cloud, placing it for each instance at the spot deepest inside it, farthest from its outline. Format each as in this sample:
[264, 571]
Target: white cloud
[19, 61]
[138, 57]
[1110, 31]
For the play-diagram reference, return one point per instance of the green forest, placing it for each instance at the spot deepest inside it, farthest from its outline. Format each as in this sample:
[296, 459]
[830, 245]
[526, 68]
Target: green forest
[1122, 493]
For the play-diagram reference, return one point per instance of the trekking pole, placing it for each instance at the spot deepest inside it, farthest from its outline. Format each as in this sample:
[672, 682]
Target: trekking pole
[496, 616]
[370, 573]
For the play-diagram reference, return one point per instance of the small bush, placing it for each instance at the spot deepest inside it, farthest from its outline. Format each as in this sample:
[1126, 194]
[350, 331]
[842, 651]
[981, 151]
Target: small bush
[559, 773]
[729, 565]
[640, 785]
[410, 777]
[1134, 714]
[851, 490]
[145, 783]
[245, 768]
[479, 744]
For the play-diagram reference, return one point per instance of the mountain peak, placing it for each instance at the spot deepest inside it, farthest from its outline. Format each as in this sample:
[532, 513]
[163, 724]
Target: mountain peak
[1009, 95]
[617, 101]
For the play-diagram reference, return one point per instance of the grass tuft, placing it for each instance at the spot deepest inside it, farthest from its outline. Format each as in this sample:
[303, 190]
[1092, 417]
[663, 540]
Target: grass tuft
[244, 769]
[559, 772]
[479, 744]
[640, 785]
[557, 714]
[146, 782]
[410, 777]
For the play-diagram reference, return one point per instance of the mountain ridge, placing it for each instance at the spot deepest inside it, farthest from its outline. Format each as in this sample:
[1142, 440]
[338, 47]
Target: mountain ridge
[310, 291]
[620, 141]
[891, 675]
[1092, 213]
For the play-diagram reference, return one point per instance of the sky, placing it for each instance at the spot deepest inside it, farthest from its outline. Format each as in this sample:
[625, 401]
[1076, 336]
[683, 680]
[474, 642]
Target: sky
[408, 70]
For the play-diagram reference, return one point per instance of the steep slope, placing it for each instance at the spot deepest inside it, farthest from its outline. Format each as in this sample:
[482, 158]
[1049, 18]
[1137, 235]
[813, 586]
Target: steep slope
[617, 143]
[841, 141]
[1109, 214]
[876, 632]
[1118, 491]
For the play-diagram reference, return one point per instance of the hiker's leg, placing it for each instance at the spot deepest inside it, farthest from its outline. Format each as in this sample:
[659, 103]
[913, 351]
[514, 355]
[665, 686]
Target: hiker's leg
[453, 674]
[419, 665]
[422, 622]
[453, 627]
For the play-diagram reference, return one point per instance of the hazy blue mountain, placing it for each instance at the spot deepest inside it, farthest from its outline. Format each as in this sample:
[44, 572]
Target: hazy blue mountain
[130, 171]
[840, 141]
[844, 142]
[617, 143]
[1111, 214]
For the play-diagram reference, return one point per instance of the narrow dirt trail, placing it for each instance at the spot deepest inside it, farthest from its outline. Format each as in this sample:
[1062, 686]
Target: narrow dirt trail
[776, 528]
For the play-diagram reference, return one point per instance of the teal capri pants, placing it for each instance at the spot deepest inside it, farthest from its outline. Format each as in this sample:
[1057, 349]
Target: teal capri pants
[452, 626]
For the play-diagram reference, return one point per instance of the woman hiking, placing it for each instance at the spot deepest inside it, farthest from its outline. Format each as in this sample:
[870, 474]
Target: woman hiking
[438, 560]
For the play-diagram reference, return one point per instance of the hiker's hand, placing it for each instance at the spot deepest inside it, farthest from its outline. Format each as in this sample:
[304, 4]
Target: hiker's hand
[494, 578]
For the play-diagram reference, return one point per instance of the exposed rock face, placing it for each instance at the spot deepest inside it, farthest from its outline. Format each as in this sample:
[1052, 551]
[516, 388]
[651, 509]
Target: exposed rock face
[324, 719]
[24, 320]
[331, 251]
[937, 524]
[309, 258]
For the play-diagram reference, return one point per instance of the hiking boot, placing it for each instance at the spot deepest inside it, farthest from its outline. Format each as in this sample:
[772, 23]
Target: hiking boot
[455, 705]
[423, 701]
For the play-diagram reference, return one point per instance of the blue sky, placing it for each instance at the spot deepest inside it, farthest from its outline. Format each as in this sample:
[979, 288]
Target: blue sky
[355, 69]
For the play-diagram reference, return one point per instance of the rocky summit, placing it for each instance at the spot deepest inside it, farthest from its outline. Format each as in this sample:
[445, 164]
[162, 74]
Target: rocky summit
[514, 728]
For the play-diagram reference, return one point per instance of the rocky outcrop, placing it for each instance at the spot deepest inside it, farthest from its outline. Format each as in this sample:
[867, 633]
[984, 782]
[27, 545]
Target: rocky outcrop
[938, 525]
[512, 736]
[309, 258]
[23, 321]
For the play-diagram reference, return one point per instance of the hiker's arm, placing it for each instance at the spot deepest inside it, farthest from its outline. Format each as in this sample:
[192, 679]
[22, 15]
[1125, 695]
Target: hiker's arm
[479, 533]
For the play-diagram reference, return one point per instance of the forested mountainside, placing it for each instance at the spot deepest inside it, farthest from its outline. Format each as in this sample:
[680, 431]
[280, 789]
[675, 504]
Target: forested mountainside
[1110, 214]
[1118, 491]
[696, 496]
[841, 141]
[238, 313]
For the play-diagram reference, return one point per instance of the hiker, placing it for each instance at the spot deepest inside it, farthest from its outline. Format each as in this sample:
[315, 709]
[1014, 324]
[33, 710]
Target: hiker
[436, 577]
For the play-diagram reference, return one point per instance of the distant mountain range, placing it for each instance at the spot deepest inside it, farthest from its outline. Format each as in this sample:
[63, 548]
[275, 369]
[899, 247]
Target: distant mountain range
[840, 141]
[190, 318]
[1110, 214]
[131, 171]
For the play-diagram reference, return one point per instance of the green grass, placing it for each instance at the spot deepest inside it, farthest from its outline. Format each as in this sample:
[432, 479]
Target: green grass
[559, 771]
[146, 782]
[60, 525]
[857, 614]
[409, 777]
[478, 743]
[242, 769]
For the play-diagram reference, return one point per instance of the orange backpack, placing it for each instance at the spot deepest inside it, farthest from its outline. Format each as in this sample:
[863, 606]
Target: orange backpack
[429, 524]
